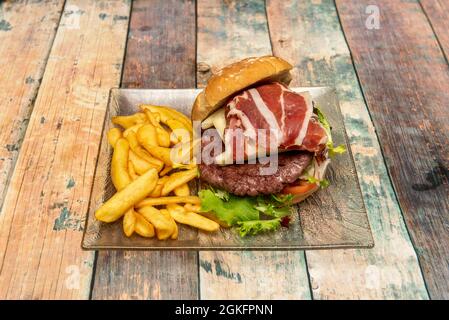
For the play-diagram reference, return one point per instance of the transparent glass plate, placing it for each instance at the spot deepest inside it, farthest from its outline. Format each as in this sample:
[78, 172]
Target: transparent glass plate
[334, 217]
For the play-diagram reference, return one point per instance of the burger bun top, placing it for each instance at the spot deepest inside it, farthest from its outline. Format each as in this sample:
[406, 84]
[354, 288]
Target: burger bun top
[237, 77]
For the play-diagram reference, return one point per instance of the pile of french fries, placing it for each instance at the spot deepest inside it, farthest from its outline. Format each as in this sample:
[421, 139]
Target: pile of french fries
[152, 185]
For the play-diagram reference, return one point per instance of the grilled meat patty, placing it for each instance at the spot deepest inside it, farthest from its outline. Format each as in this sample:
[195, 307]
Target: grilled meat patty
[245, 179]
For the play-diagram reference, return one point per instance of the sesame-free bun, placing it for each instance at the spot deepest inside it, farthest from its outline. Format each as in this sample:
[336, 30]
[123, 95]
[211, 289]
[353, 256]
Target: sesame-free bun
[237, 77]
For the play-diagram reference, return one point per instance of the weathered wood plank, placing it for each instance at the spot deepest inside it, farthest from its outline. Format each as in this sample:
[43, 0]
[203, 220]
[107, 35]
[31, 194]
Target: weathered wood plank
[228, 31]
[160, 54]
[402, 68]
[43, 214]
[437, 12]
[24, 48]
[308, 34]
[161, 45]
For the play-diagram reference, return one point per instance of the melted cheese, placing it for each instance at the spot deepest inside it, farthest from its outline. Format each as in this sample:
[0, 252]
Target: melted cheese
[217, 120]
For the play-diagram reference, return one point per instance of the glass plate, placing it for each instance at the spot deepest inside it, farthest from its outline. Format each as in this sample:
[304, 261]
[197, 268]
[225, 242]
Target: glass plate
[334, 217]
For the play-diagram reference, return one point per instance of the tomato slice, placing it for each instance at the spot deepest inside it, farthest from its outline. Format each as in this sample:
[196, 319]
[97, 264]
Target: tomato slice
[300, 187]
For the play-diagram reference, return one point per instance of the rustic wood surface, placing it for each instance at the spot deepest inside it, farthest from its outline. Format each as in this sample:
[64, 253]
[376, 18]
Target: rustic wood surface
[405, 79]
[161, 45]
[160, 54]
[308, 34]
[24, 49]
[437, 14]
[43, 213]
[56, 69]
[228, 31]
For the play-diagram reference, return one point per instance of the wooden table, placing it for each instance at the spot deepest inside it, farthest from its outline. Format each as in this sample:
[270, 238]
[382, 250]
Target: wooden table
[58, 60]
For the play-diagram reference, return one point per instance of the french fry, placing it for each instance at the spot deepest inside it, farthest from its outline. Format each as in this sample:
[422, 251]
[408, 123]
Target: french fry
[128, 121]
[140, 165]
[182, 154]
[163, 114]
[166, 170]
[191, 218]
[213, 217]
[133, 128]
[161, 153]
[141, 151]
[163, 180]
[182, 191]
[137, 149]
[158, 189]
[175, 233]
[179, 178]
[167, 200]
[114, 134]
[126, 198]
[129, 222]
[119, 165]
[192, 207]
[179, 130]
[147, 136]
[154, 118]
[167, 215]
[132, 171]
[168, 113]
[163, 137]
[143, 227]
[164, 227]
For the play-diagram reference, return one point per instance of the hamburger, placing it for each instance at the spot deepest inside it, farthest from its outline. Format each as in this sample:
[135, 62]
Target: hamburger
[248, 98]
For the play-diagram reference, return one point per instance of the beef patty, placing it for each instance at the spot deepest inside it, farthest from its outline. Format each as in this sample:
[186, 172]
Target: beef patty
[245, 179]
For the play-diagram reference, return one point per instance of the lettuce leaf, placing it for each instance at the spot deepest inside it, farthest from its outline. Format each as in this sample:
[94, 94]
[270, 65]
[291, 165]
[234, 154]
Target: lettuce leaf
[230, 211]
[271, 209]
[336, 150]
[323, 183]
[323, 120]
[330, 144]
[222, 194]
[283, 199]
[254, 227]
[244, 212]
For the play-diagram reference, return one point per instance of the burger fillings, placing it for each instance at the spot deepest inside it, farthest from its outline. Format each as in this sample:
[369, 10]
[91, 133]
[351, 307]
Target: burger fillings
[240, 101]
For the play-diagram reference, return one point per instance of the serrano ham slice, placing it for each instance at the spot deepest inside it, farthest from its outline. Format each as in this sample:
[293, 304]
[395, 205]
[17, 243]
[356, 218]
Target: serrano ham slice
[274, 108]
